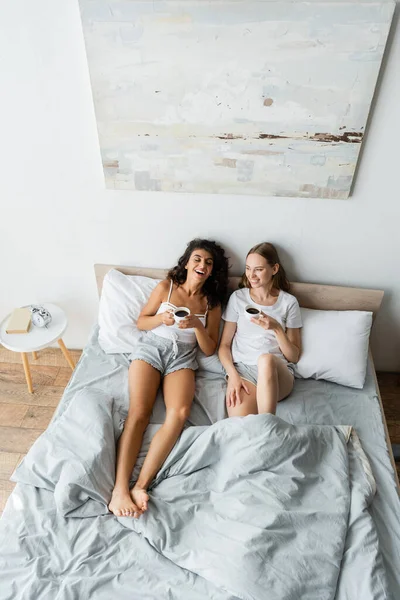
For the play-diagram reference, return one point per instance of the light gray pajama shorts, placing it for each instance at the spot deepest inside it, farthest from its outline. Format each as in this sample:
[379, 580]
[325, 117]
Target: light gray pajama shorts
[164, 354]
[250, 372]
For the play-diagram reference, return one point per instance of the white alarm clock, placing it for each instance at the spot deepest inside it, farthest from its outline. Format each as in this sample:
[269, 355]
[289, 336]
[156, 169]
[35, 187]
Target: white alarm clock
[40, 316]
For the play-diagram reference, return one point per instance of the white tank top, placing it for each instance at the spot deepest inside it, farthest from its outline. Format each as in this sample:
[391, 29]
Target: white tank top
[172, 332]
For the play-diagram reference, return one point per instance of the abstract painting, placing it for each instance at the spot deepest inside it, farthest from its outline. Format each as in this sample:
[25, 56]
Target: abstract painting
[233, 96]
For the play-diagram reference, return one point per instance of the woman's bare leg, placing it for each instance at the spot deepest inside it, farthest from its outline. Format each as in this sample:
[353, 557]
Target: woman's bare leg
[144, 382]
[248, 405]
[178, 389]
[275, 382]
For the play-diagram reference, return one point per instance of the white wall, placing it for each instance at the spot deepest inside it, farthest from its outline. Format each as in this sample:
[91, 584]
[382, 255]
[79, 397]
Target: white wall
[57, 220]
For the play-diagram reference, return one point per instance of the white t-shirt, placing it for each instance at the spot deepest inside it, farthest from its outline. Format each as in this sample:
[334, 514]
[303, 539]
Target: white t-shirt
[251, 340]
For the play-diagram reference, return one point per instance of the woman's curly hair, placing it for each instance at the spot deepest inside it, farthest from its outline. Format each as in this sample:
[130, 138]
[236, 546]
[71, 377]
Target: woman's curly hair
[216, 287]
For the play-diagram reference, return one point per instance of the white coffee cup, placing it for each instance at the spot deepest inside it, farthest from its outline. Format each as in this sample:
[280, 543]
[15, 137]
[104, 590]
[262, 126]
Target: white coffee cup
[252, 312]
[180, 313]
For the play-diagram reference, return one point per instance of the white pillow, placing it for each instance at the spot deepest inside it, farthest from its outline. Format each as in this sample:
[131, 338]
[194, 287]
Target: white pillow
[335, 346]
[122, 299]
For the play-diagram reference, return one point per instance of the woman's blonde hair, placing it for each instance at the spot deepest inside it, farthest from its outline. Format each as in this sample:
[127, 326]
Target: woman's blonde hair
[269, 252]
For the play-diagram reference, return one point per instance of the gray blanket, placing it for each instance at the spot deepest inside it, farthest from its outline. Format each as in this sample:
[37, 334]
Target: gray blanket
[250, 508]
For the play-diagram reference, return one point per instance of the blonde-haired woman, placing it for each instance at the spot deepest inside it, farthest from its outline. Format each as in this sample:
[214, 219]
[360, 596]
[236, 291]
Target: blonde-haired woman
[258, 354]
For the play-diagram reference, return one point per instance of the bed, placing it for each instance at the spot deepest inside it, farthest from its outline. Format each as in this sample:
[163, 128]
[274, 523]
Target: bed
[58, 542]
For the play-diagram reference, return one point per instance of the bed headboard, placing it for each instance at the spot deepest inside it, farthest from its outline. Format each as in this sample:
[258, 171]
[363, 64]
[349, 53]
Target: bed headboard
[309, 295]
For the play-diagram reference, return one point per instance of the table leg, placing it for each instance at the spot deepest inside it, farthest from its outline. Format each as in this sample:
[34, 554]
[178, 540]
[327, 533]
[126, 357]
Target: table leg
[67, 355]
[34, 354]
[27, 371]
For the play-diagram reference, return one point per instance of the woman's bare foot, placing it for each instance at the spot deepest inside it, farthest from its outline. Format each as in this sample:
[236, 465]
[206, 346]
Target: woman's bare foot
[122, 505]
[140, 498]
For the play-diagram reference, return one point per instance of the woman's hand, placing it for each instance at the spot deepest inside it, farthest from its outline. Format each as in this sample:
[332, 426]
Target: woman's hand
[167, 318]
[189, 322]
[267, 323]
[235, 384]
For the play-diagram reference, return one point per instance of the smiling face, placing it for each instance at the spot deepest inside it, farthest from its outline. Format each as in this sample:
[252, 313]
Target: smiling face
[200, 265]
[259, 272]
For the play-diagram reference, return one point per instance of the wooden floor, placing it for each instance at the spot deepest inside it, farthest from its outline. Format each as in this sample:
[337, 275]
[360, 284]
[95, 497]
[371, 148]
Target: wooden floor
[24, 416]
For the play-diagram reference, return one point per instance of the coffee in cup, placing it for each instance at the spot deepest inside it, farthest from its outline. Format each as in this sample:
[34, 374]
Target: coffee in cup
[180, 313]
[252, 312]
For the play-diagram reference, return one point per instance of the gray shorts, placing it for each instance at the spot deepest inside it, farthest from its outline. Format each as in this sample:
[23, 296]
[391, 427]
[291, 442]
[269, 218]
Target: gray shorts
[250, 372]
[159, 353]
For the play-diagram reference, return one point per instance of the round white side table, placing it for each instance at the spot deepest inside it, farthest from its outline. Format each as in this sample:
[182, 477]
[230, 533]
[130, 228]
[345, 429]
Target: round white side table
[37, 338]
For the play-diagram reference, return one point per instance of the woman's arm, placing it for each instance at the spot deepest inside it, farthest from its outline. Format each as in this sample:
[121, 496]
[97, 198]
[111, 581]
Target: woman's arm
[235, 382]
[207, 337]
[148, 319]
[289, 343]
[224, 352]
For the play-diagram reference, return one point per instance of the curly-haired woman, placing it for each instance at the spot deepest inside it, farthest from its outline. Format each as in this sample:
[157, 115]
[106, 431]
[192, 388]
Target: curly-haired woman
[168, 352]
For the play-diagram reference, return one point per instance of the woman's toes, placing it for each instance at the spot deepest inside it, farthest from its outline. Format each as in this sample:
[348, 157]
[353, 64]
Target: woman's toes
[141, 498]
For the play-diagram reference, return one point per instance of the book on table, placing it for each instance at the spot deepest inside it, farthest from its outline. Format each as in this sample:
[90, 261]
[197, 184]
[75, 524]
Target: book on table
[19, 321]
